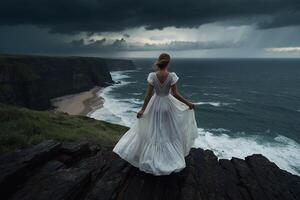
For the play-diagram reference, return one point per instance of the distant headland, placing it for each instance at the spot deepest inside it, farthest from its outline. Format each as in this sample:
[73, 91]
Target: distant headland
[31, 81]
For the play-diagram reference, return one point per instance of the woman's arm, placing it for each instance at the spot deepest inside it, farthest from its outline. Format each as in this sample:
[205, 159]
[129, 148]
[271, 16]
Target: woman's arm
[180, 98]
[147, 98]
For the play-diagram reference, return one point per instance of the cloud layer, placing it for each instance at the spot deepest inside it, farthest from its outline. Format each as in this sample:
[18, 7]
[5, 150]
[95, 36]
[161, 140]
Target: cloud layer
[284, 50]
[73, 16]
[123, 45]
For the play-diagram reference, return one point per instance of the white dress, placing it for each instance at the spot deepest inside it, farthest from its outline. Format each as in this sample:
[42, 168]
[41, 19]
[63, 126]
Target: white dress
[158, 142]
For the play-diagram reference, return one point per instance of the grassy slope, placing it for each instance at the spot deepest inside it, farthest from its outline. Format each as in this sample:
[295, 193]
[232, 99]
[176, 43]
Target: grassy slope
[21, 127]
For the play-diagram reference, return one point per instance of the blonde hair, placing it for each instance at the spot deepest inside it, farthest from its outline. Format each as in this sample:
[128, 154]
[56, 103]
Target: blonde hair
[163, 60]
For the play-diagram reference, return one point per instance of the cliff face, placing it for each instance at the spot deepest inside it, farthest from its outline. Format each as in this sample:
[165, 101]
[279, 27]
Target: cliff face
[31, 81]
[76, 171]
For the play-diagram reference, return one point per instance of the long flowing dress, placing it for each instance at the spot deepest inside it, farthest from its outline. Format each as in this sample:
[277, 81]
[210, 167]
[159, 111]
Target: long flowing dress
[159, 141]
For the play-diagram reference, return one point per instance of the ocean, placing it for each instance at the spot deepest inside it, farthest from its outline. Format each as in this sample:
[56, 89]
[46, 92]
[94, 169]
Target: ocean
[243, 106]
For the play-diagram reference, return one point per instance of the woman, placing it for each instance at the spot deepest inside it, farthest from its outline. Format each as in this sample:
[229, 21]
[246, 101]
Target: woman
[165, 130]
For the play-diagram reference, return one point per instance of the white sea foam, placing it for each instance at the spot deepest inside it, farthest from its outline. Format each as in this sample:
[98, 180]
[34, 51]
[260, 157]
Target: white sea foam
[217, 104]
[283, 151]
[235, 99]
[134, 101]
[120, 111]
[136, 93]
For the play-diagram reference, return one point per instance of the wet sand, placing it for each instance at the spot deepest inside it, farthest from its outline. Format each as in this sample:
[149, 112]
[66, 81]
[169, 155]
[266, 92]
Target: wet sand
[79, 104]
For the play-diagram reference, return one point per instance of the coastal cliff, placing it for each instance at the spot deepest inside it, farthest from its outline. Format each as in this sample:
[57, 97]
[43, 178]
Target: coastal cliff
[31, 81]
[51, 155]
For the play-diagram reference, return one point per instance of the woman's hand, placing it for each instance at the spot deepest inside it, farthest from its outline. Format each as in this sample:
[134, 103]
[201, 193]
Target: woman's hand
[191, 105]
[140, 113]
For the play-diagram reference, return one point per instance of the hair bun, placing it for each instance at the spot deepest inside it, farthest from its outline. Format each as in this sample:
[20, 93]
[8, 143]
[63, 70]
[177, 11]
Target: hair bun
[163, 60]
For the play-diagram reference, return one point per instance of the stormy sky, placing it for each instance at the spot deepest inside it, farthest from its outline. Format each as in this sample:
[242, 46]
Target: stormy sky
[144, 28]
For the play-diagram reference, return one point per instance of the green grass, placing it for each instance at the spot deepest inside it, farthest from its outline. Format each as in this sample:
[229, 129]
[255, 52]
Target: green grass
[22, 127]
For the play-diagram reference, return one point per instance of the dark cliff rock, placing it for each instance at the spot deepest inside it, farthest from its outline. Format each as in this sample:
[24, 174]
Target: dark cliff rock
[31, 81]
[43, 172]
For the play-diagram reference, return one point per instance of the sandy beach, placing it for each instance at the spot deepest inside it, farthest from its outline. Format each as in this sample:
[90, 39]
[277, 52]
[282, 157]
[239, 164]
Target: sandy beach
[80, 103]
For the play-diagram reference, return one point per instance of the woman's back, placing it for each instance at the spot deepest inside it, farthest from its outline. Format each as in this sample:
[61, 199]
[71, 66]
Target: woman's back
[162, 88]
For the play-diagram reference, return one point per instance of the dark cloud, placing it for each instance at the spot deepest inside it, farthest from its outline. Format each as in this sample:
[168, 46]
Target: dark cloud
[79, 42]
[95, 43]
[119, 43]
[32, 40]
[281, 19]
[73, 16]
[122, 45]
[186, 45]
[80, 46]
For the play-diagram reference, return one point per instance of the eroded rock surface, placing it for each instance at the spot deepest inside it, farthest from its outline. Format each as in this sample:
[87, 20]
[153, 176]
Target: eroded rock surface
[52, 170]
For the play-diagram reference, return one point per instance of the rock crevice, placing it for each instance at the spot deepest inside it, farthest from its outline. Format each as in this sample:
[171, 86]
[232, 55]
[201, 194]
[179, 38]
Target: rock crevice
[74, 171]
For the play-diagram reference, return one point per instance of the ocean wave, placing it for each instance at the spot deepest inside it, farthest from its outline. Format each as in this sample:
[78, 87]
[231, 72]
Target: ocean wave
[215, 94]
[236, 99]
[284, 151]
[136, 93]
[134, 101]
[216, 104]
[191, 86]
[281, 150]
[114, 110]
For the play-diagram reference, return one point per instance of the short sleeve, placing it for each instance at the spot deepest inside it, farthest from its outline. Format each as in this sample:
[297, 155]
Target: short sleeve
[174, 78]
[150, 78]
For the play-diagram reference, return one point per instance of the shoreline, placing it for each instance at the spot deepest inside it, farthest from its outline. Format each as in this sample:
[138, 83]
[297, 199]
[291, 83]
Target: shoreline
[81, 103]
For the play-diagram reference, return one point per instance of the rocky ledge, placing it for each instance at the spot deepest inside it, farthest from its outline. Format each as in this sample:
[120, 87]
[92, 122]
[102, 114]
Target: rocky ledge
[53, 170]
